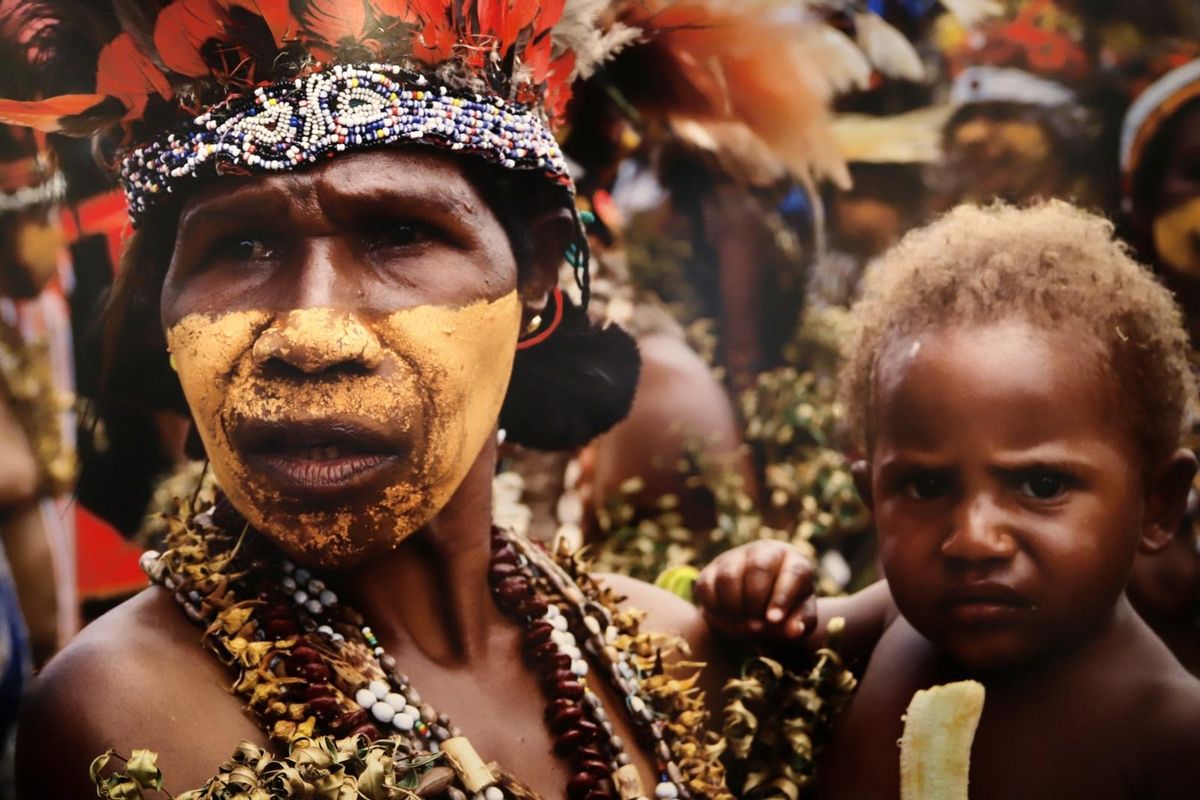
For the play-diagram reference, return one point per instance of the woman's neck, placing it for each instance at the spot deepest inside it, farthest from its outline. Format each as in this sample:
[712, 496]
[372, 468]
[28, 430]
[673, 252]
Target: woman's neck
[431, 594]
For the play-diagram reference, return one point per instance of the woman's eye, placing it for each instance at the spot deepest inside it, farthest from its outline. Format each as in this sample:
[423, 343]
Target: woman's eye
[246, 248]
[395, 234]
[928, 486]
[1044, 485]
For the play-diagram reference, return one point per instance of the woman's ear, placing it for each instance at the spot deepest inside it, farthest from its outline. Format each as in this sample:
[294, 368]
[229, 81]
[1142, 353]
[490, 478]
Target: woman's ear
[1167, 490]
[861, 472]
[549, 237]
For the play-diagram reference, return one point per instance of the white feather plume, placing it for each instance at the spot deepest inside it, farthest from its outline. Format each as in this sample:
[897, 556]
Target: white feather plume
[840, 64]
[579, 31]
[887, 49]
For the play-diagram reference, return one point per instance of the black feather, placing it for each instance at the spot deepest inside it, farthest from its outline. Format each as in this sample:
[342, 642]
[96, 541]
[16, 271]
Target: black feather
[572, 387]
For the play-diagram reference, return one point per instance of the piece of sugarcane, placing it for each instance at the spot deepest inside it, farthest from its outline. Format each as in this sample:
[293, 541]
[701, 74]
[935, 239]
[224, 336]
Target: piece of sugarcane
[935, 750]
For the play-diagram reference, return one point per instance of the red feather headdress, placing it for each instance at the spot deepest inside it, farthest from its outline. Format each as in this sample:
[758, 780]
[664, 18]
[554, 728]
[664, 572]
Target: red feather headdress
[169, 63]
[203, 50]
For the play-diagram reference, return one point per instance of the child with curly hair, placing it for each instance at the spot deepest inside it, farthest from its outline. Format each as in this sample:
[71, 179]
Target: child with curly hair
[1017, 390]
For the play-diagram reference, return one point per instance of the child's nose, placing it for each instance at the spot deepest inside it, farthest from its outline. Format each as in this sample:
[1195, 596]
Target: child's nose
[979, 533]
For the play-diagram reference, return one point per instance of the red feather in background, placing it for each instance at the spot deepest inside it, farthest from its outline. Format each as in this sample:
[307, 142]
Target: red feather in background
[425, 10]
[558, 86]
[180, 32]
[275, 13]
[125, 73]
[505, 19]
[549, 15]
[331, 21]
[436, 42]
[537, 58]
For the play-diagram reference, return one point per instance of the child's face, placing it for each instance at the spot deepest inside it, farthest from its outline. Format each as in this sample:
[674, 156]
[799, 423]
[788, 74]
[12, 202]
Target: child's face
[1008, 497]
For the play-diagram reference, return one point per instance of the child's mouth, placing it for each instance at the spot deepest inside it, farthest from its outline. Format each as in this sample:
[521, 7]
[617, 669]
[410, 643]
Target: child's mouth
[984, 602]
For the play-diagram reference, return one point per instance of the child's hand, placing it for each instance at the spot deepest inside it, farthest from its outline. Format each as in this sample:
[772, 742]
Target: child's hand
[762, 590]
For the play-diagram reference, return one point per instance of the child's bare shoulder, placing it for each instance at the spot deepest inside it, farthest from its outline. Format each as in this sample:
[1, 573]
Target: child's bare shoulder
[1170, 742]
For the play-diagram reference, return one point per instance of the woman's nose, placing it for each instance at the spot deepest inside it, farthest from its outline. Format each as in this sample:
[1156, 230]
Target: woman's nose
[980, 533]
[316, 340]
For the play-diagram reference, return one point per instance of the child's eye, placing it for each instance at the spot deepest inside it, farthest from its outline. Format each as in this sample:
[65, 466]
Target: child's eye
[1044, 484]
[928, 486]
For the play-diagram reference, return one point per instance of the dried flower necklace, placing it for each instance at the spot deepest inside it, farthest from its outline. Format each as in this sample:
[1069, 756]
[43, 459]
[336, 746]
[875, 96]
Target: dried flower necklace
[308, 661]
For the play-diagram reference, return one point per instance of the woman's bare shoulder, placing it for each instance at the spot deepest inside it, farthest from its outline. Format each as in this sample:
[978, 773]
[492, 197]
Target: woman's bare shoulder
[135, 678]
[671, 614]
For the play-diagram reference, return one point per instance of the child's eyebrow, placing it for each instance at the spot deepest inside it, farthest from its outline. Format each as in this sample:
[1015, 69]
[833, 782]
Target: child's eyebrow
[910, 461]
[1053, 457]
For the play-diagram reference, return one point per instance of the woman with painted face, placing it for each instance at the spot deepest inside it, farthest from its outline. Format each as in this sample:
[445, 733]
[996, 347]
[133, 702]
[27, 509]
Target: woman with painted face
[1160, 170]
[349, 221]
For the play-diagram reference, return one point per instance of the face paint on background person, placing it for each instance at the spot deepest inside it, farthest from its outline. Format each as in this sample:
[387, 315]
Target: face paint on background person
[434, 376]
[1177, 238]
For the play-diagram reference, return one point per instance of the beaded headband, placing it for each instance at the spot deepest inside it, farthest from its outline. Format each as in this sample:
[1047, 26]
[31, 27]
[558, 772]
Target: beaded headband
[349, 107]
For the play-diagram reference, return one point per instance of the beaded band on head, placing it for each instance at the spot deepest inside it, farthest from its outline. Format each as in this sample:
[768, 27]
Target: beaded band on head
[349, 107]
[28, 180]
[1149, 114]
[36, 196]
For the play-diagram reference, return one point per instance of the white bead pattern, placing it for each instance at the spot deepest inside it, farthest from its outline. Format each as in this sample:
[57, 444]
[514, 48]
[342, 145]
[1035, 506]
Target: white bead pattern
[347, 107]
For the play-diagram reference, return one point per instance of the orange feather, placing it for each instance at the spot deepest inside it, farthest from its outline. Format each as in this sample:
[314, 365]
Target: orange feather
[738, 66]
[124, 72]
[50, 114]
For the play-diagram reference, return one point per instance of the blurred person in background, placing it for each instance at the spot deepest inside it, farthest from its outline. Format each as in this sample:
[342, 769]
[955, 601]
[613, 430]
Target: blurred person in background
[1022, 129]
[37, 466]
[37, 611]
[1160, 171]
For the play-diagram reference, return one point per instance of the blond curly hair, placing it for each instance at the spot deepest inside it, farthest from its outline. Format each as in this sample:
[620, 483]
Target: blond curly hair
[1053, 264]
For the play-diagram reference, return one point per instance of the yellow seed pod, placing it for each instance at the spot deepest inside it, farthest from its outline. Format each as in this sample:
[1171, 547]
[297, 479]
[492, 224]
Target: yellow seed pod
[935, 750]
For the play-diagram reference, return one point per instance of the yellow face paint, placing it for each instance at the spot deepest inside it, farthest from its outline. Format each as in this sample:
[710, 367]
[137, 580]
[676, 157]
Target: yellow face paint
[1005, 158]
[433, 376]
[1177, 238]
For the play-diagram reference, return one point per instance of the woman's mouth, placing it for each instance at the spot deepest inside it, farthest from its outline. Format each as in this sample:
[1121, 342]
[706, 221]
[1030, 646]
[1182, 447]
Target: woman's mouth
[319, 458]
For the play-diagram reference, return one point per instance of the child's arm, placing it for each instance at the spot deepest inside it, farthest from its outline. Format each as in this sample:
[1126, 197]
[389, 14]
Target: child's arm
[762, 593]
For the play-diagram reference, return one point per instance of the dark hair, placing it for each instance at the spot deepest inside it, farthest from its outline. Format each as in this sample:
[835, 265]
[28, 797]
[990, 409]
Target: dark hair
[565, 391]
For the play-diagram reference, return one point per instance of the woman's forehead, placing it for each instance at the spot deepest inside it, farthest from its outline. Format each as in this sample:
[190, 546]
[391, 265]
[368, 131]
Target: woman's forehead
[385, 175]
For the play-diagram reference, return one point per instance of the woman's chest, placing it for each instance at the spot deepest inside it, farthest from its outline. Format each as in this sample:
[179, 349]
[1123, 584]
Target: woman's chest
[512, 719]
